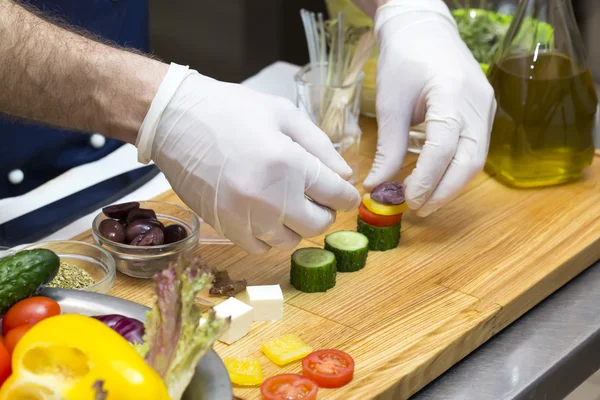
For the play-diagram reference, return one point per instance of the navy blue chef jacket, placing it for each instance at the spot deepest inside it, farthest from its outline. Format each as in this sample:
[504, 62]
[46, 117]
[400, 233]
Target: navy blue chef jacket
[44, 153]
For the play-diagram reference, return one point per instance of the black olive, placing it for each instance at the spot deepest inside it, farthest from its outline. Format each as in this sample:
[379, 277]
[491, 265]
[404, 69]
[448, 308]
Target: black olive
[140, 213]
[112, 230]
[120, 211]
[154, 222]
[153, 237]
[141, 226]
[388, 193]
[136, 240]
[175, 233]
[137, 228]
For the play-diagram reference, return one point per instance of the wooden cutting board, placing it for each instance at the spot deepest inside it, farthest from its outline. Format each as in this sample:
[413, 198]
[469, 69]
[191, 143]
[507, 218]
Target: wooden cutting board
[457, 278]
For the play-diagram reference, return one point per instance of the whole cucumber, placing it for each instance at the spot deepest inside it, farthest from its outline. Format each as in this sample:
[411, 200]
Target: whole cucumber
[24, 274]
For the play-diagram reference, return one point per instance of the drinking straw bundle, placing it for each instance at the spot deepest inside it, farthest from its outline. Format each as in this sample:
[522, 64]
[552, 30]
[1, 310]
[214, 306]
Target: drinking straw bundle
[337, 55]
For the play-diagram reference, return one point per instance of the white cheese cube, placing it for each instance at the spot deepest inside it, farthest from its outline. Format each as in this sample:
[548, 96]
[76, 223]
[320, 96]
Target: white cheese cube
[241, 319]
[267, 302]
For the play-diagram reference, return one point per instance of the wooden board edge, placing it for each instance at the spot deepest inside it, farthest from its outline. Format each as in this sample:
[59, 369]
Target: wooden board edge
[546, 286]
[461, 345]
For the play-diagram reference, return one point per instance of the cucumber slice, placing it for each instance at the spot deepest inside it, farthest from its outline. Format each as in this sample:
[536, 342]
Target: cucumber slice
[313, 270]
[350, 249]
[380, 238]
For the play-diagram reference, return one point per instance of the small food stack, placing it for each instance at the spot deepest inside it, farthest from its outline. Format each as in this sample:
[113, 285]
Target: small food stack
[380, 216]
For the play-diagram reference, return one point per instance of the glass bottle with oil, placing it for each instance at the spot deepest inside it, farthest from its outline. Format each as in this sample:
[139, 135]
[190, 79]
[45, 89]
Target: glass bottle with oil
[543, 128]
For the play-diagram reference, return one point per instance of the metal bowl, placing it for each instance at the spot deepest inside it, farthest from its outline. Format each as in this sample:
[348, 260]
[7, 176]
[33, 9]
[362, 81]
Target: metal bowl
[211, 380]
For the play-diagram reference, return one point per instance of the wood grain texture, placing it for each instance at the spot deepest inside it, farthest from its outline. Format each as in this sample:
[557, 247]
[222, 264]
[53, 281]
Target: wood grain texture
[457, 278]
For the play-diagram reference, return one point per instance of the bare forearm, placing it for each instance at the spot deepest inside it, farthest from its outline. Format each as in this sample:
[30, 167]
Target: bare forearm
[54, 76]
[369, 6]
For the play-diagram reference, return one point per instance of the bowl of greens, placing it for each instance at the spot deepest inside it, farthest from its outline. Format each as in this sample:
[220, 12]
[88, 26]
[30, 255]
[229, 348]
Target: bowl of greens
[482, 30]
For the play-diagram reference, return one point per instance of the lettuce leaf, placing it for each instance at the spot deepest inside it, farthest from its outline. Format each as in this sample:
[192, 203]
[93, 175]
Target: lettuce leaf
[178, 332]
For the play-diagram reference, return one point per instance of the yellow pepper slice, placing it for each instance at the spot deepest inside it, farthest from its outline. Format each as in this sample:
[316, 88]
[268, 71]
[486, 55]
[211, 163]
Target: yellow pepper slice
[244, 371]
[383, 209]
[69, 356]
[286, 349]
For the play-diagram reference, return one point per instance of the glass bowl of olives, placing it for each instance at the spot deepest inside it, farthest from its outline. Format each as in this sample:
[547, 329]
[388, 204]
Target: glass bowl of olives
[144, 237]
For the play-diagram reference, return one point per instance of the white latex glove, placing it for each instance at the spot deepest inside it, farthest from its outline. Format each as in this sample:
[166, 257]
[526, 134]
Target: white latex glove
[244, 161]
[426, 73]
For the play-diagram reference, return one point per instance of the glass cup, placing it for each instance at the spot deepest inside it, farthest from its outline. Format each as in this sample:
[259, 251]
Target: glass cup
[334, 109]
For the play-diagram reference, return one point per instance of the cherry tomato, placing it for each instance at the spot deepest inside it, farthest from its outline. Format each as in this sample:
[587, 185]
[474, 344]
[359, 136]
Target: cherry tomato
[289, 387]
[29, 312]
[328, 368]
[377, 220]
[5, 366]
[14, 335]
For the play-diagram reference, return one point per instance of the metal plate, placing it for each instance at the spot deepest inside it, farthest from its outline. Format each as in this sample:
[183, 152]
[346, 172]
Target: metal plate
[211, 380]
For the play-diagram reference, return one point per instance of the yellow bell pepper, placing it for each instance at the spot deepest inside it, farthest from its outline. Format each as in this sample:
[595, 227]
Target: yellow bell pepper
[286, 349]
[67, 356]
[244, 371]
[383, 209]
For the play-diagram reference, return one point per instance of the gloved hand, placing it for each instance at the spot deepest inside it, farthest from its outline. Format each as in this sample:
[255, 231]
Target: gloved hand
[426, 73]
[244, 161]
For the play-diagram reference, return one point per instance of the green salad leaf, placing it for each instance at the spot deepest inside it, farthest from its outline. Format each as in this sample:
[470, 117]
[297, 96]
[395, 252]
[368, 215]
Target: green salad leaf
[178, 333]
[483, 31]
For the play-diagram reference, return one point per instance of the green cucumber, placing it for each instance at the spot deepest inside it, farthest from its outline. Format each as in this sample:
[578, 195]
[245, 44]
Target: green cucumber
[23, 274]
[313, 270]
[380, 238]
[350, 249]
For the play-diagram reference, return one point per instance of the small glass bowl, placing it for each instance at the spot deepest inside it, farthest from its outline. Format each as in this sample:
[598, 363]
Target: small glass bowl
[93, 259]
[144, 262]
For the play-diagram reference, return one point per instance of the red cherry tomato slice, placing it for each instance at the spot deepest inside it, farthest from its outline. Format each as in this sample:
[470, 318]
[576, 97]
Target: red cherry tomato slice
[5, 366]
[14, 335]
[377, 220]
[29, 312]
[288, 387]
[328, 368]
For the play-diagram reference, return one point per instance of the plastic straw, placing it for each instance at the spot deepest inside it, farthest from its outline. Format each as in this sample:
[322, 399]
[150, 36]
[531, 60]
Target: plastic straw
[340, 49]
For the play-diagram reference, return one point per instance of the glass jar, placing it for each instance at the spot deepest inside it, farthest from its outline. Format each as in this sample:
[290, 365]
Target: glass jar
[543, 128]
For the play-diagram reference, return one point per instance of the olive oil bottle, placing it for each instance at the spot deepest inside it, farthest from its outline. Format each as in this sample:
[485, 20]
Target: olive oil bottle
[543, 128]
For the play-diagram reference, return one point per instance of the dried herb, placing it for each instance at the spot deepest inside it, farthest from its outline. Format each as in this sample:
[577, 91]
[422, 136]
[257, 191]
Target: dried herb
[71, 277]
[223, 285]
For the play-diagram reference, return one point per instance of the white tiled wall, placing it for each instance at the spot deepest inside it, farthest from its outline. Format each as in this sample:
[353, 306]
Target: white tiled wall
[589, 390]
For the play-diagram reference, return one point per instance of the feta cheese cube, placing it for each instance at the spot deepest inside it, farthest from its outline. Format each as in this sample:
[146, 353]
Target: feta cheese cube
[241, 319]
[267, 302]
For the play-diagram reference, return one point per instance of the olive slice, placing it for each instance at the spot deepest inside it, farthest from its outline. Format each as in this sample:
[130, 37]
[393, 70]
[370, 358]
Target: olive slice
[140, 213]
[388, 193]
[137, 228]
[120, 211]
[153, 237]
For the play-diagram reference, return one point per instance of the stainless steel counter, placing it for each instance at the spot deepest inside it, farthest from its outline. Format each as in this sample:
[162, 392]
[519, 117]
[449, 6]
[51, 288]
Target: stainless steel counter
[545, 354]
